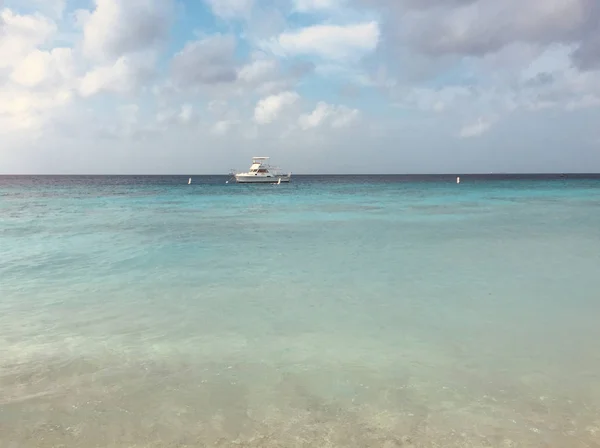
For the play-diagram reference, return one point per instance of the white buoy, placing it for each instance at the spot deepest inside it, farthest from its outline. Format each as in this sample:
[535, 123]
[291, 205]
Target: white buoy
[279, 181]
[189, 180]
[458, 180]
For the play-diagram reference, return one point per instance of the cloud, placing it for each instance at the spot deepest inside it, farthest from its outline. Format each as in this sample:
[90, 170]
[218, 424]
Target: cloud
[266, 19]
[338, 42]
[128, 125]
[479, 127]
[231, 9]
[117, 27]
[223, 117]
[344, 117]
[316, 118]
[317, 5]
[587, 55]
[487, 26]
[480, 27]
[186, 114]
[302, 68]
[437, 100]
[257, 70]
[336, 116]
[523, 69]
[205, 62]
[268, 109]
[44, 67]
[34, 83]
[209, 67]
[551, 81]
[222, 127]
[124, 76]
[26, 110]
[22, 34]
[264, 76]
[217, 107]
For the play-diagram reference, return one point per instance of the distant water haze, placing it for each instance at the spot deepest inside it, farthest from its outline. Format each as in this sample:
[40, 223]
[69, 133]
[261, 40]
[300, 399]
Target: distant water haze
[350, 311]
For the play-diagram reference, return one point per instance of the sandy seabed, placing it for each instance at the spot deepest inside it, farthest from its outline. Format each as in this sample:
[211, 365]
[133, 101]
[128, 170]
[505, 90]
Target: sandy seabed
[119, 403]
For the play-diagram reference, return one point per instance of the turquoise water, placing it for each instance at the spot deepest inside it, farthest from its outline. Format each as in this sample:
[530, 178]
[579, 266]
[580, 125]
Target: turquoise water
[334, 311]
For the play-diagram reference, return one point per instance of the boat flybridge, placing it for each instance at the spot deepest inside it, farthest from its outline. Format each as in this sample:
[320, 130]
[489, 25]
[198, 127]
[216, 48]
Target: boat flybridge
[261, 172]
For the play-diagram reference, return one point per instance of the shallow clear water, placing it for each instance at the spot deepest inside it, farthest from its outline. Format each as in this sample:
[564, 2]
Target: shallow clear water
[334, 311]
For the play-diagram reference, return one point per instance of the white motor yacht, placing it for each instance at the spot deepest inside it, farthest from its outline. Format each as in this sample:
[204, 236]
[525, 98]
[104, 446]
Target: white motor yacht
[261, 172]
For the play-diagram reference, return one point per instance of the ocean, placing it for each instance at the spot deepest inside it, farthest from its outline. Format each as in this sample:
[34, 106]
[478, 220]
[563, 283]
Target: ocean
[336, 311]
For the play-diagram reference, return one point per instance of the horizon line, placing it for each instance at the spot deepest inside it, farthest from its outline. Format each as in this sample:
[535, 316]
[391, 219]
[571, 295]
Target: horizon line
[504, 173]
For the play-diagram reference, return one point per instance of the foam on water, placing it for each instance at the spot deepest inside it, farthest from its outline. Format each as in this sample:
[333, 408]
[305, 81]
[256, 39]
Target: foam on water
[334, 311]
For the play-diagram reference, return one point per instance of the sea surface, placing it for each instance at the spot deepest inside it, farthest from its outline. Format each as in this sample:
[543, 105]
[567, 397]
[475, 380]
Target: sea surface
[336, 311]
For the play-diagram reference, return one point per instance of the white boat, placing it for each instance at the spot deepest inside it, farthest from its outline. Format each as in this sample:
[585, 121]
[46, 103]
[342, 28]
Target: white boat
[261, 172]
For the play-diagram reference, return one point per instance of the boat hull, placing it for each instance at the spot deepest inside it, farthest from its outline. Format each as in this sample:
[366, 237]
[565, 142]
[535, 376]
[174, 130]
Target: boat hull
[244, 179]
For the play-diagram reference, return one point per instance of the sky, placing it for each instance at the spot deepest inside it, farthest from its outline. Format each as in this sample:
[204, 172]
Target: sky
[320, 86]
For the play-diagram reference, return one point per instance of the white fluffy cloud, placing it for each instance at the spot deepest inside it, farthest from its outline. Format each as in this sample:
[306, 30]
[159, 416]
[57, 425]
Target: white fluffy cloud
[257, 70]
[121, 39]
[22, 34]
[268, 109]
[44, 67]
[36, 81]
[336, 116]
[338, 42]
[125, 75]
[25, 110]
[117, 27]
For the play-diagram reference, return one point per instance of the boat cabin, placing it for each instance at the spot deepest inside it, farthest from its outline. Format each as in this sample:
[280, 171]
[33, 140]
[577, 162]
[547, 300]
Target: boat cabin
[259, 165]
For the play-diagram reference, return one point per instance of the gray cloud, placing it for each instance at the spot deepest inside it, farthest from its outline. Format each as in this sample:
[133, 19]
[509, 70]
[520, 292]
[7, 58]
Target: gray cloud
[135, 25]
[587, 56]
[144, 28]
[438, 28]
[302, 69]
[205, 62]
[486, 26]
[541, 79]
